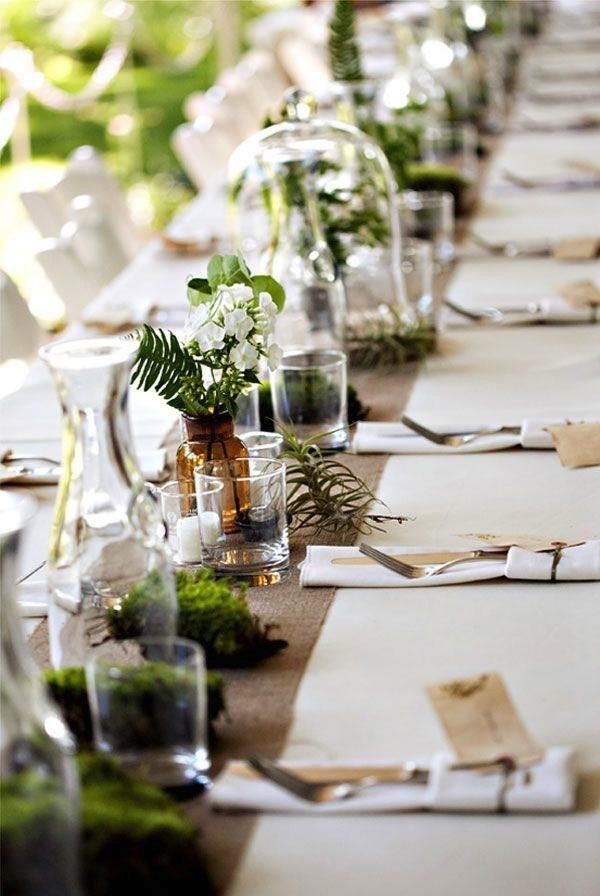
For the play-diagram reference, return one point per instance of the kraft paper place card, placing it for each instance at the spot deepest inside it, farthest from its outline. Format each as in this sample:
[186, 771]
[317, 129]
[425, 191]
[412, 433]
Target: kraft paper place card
[577, 249]
[581, 293]
[481, 721]
[527, 542]
[577, 444]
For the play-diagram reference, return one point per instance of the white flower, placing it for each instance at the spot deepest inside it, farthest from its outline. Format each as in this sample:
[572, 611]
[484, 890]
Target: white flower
[210, 336]
[244, 356]
[237, 323]
[230, 296]
[196, 317]
[274, 356]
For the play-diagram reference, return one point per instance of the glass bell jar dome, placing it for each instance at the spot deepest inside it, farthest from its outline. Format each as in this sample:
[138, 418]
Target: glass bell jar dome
[312, 203]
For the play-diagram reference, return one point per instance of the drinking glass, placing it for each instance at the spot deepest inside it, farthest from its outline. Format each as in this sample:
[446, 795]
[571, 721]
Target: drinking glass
[263, 444]
[417, 268]
[452, 145]
[243, 519]
[309, 393]
[247, 418]
[429, 215]
[149, 709]
[180, 515]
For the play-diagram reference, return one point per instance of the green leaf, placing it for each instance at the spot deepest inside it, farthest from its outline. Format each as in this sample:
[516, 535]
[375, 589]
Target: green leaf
[264, 283]
[198, 291]
[162, 364]
[227, 269]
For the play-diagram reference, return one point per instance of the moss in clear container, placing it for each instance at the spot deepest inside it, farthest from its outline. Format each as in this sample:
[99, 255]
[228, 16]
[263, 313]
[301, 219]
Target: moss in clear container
[68, 690]
[444, 178]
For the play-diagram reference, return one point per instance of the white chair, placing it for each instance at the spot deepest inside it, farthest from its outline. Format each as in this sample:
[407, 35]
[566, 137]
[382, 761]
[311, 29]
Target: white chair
[203, 148]
[85, 174]
[72, 281]
[20, 334]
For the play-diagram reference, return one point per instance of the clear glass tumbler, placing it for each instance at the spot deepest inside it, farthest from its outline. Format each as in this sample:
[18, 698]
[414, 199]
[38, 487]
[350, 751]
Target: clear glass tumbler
[180, 515]
[309, 394]
[247, 418]
[243, 518]
[417, 268]
[149, 710]
[263, 444]
[429, 215]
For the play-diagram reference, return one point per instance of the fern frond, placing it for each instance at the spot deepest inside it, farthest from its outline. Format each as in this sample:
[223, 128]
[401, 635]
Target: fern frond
[162, 364]
[344, 55]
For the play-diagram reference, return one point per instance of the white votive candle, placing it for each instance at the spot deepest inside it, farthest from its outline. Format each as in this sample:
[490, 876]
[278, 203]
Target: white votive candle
[188, 539]
[210, 527]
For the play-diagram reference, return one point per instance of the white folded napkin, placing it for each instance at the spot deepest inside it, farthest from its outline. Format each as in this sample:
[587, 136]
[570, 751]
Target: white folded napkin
[152, 465]
[32, 598]
[579, 563]
[555, 309]
[324, 567]
[395, 438]
[548, 786]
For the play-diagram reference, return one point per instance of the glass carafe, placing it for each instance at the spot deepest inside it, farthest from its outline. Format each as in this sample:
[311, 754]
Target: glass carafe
[39, 793]
[106, 535]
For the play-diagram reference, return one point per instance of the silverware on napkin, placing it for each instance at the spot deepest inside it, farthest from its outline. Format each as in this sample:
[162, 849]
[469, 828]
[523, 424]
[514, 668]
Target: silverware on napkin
[528, 313]
[456, 440]
[354, 781]
[425, 571]
[336, 788]
[513, 248]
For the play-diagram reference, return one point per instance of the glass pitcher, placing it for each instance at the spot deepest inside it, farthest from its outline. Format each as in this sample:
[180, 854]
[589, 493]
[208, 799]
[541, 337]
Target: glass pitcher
[39, 793]
[316, 197]
[106, 534]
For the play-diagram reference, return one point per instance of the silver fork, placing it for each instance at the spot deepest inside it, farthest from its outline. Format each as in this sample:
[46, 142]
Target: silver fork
[10, 457]
[512, 249]
[336, 789]
[455, 441]
[494, 315]
[425, 571]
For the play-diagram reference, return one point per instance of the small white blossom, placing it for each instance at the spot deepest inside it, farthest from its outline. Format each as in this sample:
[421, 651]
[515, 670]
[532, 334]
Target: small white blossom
[237, 323]
[210, 336]
[244, 356]
[230, 296]
[274, 356]
[196, 317]
[267, 305]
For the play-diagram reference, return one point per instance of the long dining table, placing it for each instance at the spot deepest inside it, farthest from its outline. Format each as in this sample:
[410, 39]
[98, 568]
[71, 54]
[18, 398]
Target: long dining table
[362, 692]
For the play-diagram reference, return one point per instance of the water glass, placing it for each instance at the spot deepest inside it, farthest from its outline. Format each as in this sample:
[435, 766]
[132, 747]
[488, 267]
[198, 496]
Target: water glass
[243, 518]
[180, 515]
[149, 709]
[453, 145]
[247, 418]
[429, 215]
[309, 393]
[417, 268]
[263, 444]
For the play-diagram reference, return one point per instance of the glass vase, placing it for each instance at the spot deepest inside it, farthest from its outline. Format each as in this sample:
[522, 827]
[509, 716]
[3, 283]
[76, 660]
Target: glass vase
[39, 792]
[107, 535]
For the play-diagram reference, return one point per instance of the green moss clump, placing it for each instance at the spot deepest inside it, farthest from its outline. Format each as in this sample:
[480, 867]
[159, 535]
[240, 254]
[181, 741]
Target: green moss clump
[135, 839]
[68, 690]
[429, 176]
[356, 409]
[35, 836]
[213, 612]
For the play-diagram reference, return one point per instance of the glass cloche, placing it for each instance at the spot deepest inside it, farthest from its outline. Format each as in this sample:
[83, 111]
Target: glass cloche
[312, 203]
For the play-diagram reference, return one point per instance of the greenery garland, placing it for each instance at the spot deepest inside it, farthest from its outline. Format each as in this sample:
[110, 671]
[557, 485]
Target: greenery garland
[342, 44]
[383, 339]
